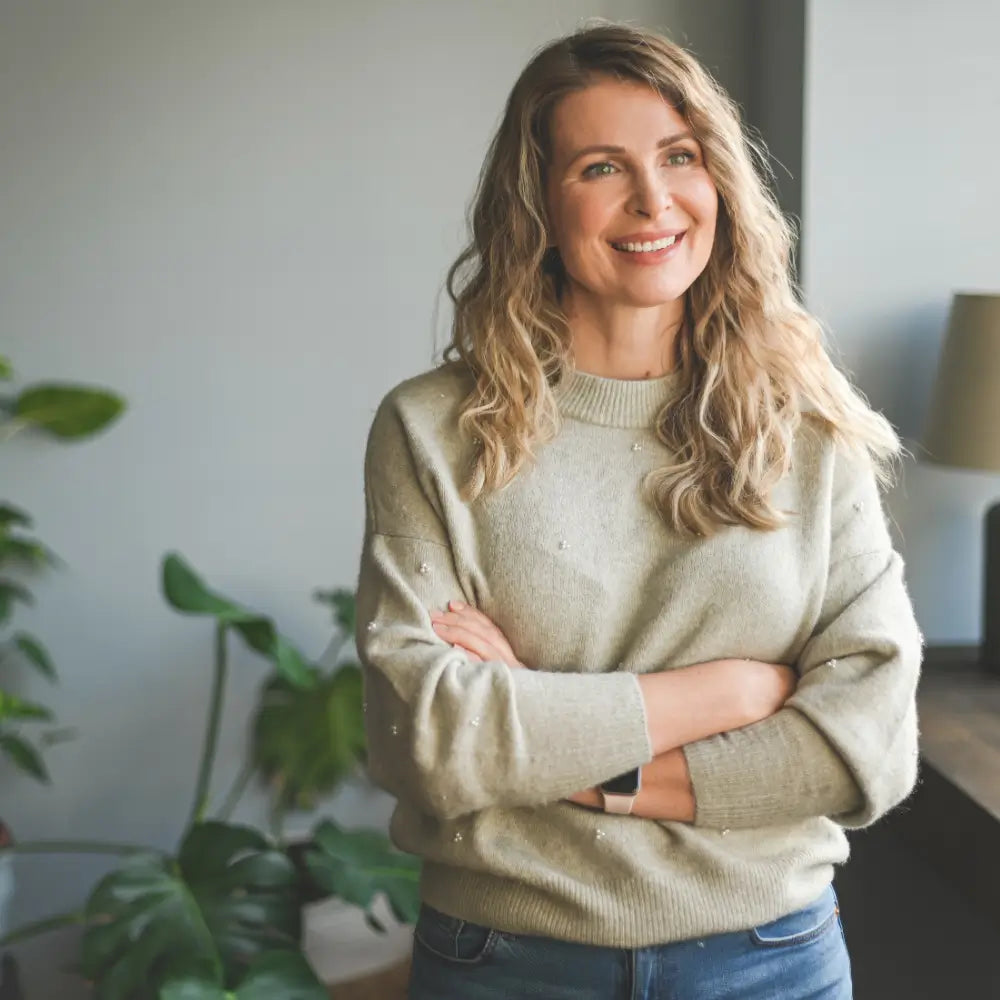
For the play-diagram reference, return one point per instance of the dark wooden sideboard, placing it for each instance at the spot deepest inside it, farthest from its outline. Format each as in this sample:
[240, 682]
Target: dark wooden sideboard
[953, 817]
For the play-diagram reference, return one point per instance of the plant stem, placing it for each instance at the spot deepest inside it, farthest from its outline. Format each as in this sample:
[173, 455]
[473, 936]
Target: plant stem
[236, 792]
[212, 729]
[42, 927]
[76, 847]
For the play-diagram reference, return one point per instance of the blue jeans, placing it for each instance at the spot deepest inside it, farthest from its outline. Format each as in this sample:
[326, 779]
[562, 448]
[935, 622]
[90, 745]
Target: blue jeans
[801, 956]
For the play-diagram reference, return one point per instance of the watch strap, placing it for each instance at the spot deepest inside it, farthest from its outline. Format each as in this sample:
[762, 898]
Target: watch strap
[620, 805]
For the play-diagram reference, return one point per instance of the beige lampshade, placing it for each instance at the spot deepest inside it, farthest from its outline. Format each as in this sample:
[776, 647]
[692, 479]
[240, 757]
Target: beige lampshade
[963, 427]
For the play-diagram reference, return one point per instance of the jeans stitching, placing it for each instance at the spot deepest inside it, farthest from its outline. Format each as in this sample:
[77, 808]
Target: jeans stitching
[488, 945]
[794, 939]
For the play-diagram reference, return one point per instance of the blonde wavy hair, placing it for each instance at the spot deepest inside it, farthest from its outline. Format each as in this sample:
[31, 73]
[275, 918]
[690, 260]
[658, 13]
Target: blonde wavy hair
[751, 360]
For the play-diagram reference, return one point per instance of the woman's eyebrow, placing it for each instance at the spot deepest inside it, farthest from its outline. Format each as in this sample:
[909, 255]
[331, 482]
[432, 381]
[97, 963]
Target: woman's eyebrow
[587, 150]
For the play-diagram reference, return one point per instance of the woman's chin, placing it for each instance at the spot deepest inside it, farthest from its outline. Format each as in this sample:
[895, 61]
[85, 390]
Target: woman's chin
[651, 298]
[637, 293]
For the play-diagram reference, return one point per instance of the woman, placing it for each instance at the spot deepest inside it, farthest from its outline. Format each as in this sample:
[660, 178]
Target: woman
[637, 646]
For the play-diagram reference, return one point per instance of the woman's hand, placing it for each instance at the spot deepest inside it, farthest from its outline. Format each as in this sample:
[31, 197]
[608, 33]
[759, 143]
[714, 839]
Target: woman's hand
[467, 628]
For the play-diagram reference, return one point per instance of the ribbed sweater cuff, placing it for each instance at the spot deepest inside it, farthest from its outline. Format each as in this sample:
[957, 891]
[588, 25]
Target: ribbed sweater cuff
[583, 721]
[779, 770]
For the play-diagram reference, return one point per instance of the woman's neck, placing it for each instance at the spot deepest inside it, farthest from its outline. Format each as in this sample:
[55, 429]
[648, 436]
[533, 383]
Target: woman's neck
[621, 341]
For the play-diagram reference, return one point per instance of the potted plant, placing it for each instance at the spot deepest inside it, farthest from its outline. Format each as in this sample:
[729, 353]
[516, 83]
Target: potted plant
[66, 412]
[220, 917]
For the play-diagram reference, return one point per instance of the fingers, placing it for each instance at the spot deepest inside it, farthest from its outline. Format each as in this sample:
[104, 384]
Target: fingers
[473, 631]
[474, 622]
[465, 614]
[473, 642]
[457, 630]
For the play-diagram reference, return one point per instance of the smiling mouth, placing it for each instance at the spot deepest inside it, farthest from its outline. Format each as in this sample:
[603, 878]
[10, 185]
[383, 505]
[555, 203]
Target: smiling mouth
[652, 246]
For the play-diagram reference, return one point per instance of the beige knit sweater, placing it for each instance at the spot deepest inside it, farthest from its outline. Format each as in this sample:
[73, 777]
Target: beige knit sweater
[591, 589]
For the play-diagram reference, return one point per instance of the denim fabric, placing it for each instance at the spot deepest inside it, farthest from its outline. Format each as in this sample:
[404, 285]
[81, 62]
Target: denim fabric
[801, 956]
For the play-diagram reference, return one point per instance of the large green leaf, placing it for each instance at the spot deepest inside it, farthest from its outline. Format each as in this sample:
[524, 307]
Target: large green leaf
[35, 653]
[305, 742]
[284, 974]
[24, 756]
[6, 368]
[185, 986]
[12, 707]
[246, 889]
[357, 864]
[275, 975]
[139, 918]
[205, 919]
[9, 593]
[68, 411]
[185, 591]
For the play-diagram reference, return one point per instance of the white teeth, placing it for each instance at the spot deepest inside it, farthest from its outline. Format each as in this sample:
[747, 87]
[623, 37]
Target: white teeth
[646, 247]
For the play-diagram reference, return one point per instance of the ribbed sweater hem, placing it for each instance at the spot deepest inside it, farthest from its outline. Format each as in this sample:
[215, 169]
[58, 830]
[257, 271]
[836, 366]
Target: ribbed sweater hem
[631, 915]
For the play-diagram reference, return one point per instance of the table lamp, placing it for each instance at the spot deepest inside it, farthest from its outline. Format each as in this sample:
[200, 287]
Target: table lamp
[963, 428]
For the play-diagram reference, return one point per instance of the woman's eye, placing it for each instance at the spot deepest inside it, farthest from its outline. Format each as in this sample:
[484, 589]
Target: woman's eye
[599, 169]
[680, 158]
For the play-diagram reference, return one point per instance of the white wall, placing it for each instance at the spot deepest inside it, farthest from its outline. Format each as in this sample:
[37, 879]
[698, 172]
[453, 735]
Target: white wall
[900, 167]
[239, 214]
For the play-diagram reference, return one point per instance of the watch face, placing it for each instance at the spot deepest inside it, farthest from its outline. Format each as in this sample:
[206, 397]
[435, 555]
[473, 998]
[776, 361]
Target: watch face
[624, 784]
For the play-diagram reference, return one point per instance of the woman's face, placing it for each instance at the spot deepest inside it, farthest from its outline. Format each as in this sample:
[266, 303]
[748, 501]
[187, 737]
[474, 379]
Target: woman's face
[626, 171]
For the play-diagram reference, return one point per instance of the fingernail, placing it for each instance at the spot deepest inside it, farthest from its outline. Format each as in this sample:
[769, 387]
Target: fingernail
[456, 605]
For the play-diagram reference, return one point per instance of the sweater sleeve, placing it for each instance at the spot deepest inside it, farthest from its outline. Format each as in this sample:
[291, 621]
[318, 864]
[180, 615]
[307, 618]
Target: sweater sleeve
[845, 744]
[449, 735]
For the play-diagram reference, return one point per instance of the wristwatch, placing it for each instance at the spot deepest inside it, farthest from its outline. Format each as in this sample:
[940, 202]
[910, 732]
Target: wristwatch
[620, 793]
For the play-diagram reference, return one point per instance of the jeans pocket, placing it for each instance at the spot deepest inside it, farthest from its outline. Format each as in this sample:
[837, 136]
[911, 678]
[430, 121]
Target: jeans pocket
[451, 939]
[801, 926]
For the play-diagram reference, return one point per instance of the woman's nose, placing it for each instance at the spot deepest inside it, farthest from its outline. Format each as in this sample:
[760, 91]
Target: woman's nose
[651, 194]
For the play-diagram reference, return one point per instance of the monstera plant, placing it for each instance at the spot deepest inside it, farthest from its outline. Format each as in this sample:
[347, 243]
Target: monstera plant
[220, 917]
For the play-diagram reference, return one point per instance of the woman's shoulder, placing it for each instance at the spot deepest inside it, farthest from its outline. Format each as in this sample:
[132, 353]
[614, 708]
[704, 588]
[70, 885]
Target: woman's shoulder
[420, 414]
[828, 464]
[430, 393]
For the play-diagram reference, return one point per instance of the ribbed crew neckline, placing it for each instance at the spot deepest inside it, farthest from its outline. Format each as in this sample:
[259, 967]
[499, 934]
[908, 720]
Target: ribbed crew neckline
[614, 402]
